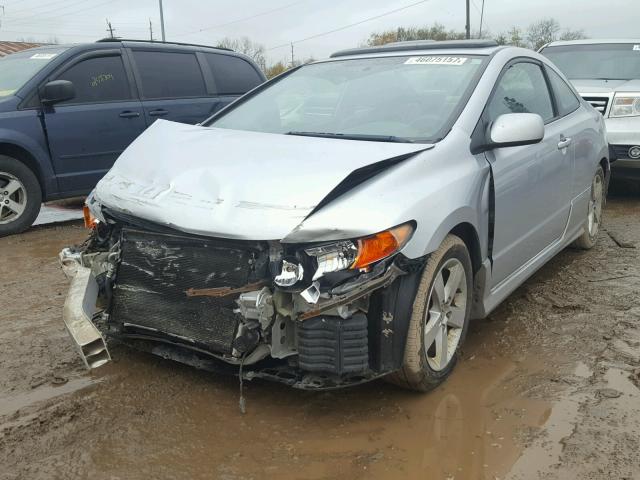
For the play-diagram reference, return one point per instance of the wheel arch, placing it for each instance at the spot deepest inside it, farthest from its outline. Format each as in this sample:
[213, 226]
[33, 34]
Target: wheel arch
[24, 156]
[469, 235]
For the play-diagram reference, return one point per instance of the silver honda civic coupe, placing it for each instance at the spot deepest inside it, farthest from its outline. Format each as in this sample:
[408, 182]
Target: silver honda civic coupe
[344, 221]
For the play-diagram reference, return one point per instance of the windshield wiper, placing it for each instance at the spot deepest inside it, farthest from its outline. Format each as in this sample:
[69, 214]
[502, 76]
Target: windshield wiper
[353, 136]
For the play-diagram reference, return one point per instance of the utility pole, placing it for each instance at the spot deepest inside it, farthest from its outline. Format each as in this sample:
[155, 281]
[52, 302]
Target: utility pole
[481, 19]
[150, 30]
[468, 25]
[292, 60]
[110, 29]
[161, 21]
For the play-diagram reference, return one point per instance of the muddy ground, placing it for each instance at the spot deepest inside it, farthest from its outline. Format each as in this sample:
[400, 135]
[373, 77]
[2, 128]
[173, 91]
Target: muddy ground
[548, 387]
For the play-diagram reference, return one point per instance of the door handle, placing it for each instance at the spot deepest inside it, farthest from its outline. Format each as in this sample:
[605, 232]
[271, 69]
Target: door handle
[158, 113]
[564, 142]
[129, 114]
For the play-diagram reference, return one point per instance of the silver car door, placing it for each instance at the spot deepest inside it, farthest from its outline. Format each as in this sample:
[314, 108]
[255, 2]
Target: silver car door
[532, 183]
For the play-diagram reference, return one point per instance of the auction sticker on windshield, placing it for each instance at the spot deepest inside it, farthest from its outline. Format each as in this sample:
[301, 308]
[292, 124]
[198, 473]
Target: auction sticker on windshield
[43, 56]
[439, 60]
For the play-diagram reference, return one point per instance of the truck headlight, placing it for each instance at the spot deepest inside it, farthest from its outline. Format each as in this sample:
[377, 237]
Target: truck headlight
[360, 253]
[625, 105]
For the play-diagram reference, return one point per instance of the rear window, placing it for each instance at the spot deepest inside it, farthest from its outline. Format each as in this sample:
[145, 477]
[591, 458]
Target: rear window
[169, 75]
[233, 75]
[566, 99]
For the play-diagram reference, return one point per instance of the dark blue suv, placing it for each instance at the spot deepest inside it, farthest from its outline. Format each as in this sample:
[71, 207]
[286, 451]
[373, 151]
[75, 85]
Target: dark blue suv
[67, 112]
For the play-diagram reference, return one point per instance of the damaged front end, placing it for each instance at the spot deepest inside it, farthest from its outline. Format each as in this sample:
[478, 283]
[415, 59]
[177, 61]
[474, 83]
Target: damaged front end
[311, 316]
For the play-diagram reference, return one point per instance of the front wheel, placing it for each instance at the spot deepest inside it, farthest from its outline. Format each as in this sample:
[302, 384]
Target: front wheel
[20, 196]
[593, 221]
[439, 319]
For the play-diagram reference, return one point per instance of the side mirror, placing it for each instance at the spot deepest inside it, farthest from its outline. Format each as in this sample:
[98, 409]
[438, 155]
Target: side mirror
[515, 129]
[57, 91]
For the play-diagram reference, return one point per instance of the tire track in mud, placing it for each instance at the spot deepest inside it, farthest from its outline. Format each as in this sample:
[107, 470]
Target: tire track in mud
[545, 389]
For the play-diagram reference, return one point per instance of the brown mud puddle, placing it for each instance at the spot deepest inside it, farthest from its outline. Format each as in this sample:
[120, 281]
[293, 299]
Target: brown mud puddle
[544, 389]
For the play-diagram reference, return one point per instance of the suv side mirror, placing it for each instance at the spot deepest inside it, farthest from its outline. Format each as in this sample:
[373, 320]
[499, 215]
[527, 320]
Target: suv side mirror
[515, 129]
[57, 91]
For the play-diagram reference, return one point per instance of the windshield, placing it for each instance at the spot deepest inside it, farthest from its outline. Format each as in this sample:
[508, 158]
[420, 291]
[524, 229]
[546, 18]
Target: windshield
[16, 69]
[619, 61]
[407, 98]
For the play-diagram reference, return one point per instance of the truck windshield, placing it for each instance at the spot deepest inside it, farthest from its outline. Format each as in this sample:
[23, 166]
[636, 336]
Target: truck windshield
[399, 98]
[16, 69]
[606, 61]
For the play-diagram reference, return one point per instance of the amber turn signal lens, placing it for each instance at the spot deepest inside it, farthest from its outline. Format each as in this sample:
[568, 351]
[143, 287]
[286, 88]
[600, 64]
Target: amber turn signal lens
[89, 220]
[381, 245]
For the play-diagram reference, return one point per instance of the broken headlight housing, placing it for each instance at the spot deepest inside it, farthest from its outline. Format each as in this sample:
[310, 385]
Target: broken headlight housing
[360, 253]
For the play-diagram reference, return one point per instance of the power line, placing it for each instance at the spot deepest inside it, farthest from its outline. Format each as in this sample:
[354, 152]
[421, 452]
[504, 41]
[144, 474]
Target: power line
[40, 13]
[261, 14]
[348, 26]
[80, 10]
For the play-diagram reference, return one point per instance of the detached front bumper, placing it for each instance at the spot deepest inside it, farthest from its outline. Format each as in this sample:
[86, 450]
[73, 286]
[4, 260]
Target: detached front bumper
[79, 308]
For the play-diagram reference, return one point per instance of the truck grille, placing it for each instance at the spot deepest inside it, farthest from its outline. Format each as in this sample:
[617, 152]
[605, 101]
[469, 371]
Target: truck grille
[599, 103]
[157, 269]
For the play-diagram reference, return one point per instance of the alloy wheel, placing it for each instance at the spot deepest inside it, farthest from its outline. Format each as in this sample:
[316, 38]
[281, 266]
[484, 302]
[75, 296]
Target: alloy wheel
[595, 206]
[13, 198]
[445, 317]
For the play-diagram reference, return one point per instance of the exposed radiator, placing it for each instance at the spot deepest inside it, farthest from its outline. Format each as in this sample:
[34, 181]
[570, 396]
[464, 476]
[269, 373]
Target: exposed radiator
[157, 269]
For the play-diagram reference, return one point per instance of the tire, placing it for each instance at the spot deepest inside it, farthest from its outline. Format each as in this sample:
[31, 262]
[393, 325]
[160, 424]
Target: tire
[422, 370]
[593, 221]
[20, 196]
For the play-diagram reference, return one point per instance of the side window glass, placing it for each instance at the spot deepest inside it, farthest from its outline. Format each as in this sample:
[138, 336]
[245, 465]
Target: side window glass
[169, 75]
[567, 101]
[99, 79]
[522, 89]
[233, 75]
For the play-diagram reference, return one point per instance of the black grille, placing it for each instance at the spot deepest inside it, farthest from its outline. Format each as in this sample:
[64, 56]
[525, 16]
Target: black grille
[334, 345]
[157, 269]
[599, 103]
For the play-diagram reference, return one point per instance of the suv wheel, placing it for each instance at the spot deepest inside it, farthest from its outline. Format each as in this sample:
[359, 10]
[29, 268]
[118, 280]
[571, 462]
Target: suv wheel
[594, 214]
[20, 196]
[439, 319]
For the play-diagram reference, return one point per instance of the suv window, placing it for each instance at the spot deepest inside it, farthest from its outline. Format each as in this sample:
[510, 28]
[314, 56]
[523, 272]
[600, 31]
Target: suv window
[99, 79]
[169, 74]
[233, 75]
[522, 89]
[566, 99]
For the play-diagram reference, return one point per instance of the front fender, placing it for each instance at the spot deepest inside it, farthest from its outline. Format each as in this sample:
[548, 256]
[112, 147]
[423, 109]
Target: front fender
[22, 129]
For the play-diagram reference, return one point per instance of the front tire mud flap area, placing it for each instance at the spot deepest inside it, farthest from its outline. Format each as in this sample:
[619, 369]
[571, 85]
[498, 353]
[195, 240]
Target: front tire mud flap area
[79, 307]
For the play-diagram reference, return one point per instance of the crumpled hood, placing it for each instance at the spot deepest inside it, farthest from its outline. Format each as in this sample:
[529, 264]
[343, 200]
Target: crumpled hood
[231, 183]
[606, 86]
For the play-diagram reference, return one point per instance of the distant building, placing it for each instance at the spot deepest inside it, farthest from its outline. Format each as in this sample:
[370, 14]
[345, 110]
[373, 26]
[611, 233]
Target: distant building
[12, 47]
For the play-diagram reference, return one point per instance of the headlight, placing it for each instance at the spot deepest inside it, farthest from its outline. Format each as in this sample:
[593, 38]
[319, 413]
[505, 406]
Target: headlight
[359, 253]
[625, 105]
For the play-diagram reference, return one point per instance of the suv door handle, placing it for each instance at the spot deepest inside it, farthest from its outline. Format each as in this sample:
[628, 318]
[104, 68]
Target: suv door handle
[564, 142]
[129, 114]
[158, 113]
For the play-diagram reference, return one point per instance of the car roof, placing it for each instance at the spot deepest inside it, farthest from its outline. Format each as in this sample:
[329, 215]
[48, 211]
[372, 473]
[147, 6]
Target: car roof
[593, 41]
[484, 47]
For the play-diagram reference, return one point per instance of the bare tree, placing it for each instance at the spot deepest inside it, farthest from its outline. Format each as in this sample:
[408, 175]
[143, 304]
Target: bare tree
[402, 34]
[542, 32]
[572, 35]
[244, 45]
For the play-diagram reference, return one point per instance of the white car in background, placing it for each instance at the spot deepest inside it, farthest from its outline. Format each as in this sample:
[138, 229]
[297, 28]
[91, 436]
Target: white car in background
[606, 73]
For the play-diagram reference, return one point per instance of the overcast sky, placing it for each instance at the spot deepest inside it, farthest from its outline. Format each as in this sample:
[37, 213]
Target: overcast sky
[278, 22]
